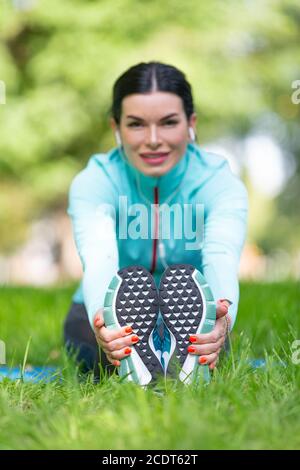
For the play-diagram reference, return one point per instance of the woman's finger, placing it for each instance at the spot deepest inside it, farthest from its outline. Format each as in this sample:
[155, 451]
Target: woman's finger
[212, 337]
[121, 343]
[222, 308]
[208, 348]
[205, 338]
[213, 364]
[208, 359]
[114, 362]
[105, 335]
[98, 320]
[121, 354]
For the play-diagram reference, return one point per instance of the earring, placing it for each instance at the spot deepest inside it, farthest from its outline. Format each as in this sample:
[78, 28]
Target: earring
[192, 134]
[118, 138]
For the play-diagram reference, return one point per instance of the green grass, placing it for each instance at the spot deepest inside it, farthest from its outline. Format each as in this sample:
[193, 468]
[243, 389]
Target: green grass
[242, 408]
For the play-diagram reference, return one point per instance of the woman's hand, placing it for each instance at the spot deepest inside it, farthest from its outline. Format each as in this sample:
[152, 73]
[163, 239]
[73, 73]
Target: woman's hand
[209, 345]
[115, 343]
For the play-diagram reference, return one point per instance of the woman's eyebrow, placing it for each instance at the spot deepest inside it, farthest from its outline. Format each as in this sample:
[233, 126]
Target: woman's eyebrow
[162, 119]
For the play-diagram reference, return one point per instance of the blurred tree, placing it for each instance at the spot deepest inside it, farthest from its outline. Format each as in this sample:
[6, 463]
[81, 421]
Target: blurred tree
[59, 61]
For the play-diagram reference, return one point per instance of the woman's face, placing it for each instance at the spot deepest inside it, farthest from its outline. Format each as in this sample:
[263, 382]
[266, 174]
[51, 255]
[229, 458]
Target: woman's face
[154, 131]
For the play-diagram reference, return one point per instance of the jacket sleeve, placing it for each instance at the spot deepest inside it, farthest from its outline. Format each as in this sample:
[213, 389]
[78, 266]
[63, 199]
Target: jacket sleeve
[225, 225]
[92, 211]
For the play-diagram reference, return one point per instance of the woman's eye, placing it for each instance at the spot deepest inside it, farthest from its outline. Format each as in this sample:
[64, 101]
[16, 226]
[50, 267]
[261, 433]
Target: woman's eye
[134, 124]
[170, 123]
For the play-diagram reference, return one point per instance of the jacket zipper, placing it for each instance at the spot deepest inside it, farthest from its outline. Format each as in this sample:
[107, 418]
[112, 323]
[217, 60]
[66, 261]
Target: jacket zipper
[156, 230]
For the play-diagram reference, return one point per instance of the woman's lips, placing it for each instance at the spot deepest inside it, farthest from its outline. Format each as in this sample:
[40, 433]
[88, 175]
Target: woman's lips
[154, 159]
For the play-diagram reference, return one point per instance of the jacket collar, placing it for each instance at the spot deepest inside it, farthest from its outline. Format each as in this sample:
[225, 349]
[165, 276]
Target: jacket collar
[167, 184]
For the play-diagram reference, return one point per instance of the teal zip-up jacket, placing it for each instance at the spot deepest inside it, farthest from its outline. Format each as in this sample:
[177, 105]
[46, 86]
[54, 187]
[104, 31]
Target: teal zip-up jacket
[118, 220]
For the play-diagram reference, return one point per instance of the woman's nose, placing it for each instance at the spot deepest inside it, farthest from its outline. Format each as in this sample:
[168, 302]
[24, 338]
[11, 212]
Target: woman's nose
[153, 136]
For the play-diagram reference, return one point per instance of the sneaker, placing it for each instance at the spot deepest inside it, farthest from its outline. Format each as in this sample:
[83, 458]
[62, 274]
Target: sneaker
[132, 299]
[188, 308]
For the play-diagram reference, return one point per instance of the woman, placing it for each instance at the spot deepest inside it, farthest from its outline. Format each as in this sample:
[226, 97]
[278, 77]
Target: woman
[114, 203]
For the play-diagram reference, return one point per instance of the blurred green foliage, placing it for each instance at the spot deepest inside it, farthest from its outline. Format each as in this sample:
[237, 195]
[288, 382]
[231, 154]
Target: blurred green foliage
[59, 60]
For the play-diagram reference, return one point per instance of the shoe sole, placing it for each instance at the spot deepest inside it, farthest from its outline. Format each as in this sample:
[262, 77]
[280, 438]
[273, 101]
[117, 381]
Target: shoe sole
[132, 300]
[188, 308]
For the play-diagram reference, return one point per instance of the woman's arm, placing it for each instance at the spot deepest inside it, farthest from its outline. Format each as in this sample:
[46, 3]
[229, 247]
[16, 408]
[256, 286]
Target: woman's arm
[91, 207]
[224, 237]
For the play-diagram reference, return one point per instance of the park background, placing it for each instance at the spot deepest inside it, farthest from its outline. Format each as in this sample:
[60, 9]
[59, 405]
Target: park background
[58, 62]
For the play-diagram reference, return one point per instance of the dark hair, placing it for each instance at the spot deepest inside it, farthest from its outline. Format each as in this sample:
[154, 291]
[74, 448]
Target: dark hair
[151, 76]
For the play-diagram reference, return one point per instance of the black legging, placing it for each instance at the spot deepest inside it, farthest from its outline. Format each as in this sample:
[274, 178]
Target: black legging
[80, 342]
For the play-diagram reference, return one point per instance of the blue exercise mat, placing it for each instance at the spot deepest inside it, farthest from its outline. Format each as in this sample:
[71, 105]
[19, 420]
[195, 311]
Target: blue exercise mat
[31, 374]
[50, 373]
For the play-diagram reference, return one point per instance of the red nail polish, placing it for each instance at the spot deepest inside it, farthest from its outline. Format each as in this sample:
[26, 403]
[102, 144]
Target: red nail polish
[203, 360]
[128, 329]
[127, 351]
[135, 339]
[193, 339]
[191, 349]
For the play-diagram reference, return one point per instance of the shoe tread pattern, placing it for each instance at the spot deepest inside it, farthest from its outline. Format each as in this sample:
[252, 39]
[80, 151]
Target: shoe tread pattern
[137, 306]
[181, 305]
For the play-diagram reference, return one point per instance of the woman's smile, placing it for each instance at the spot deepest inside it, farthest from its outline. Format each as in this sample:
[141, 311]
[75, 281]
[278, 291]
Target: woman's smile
[155, 158]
